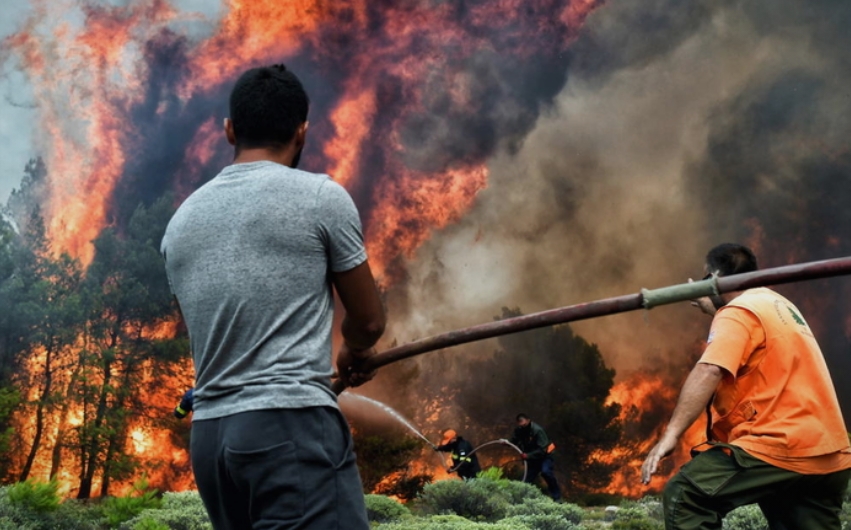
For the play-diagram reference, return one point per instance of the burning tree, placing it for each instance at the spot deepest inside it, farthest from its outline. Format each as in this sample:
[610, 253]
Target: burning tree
[128, 298]
[84, 348]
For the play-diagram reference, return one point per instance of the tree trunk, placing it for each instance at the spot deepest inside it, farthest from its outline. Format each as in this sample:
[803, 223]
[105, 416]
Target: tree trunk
[39, 415]
[87, 467]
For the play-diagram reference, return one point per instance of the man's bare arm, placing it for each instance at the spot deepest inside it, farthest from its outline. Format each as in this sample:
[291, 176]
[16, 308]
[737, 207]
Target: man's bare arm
[364, 322]
[695, 395]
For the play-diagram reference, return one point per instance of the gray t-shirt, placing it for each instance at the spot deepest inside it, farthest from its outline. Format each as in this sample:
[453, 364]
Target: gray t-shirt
[248, 257]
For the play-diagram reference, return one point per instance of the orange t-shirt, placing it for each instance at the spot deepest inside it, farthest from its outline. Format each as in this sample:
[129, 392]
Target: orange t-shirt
[776, 399]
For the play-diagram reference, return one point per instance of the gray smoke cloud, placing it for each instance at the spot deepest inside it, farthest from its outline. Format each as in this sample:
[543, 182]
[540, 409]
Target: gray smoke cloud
[682, 125]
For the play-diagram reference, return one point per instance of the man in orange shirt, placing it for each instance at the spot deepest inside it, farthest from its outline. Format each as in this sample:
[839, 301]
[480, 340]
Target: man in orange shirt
[777, 434]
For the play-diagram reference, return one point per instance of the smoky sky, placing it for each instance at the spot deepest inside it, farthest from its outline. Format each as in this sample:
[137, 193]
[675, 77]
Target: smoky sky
[681, 125]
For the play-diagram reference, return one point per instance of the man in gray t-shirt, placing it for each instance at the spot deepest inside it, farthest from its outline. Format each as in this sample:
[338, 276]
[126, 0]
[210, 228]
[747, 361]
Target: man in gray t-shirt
[252, 257]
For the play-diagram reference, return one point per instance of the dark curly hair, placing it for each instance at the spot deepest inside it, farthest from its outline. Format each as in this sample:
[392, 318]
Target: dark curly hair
[267, 106]
[730, 258]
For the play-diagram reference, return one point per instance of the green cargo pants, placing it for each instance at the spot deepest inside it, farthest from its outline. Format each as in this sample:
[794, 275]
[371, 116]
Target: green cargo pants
[725, 477]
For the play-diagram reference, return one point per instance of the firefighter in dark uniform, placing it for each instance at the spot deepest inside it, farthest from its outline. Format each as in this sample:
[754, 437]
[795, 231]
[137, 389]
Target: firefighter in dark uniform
[460, 450]
[537, 452]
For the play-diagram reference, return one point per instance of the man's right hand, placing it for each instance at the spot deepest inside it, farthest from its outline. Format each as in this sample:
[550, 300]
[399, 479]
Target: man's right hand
[703, 303]
[351, 365]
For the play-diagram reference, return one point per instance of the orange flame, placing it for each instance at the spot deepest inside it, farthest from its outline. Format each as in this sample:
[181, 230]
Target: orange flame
[90, 72]
[87, 80]
[640, 395]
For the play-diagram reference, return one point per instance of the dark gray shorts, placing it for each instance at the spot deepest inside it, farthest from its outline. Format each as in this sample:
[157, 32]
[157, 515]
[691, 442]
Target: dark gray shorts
[278, 469]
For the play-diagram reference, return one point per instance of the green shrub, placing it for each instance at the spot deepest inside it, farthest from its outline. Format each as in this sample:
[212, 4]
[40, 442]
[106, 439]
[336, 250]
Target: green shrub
[183, 500]
[569, 513]
[513, 491]
[594, 525]
[79, 515]
[450, 522]
[383, 509]
[747, 517]
[37, 497]
[149, 523]
[473, 499]
[69, 515]
[539, 522]
[491, 473]
[116, 510]
[635, 517]
[654, 507]
[845, 516]
[179, 511]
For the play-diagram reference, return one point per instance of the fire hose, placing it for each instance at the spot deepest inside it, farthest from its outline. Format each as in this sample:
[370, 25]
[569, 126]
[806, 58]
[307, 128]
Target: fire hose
[501, 441]
[645, 299]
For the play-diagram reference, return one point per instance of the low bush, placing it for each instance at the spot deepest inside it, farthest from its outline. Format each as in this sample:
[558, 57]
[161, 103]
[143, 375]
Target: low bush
[633, 516]
[491, 473]
[539, 522]
[383, 509]
[450, 522]
[569, 513]
[472, 499]
[37, 497]
[116, 510]
[747, 517]
[149, 523]
[179, 511]
[513, 491]
[845, 515]
[33, 510]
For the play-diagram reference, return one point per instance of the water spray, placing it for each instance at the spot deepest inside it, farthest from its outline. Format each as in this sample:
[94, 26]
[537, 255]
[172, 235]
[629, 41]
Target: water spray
[645, 299]
[396, 416]
[392, 413]
[501, 441]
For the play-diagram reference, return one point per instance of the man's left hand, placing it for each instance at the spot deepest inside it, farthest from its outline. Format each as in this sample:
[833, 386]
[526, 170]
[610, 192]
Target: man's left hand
[662, 449]
[351, 365]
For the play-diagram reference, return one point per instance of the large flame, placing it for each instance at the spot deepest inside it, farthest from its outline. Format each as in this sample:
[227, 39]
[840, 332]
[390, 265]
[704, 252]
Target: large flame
[410, 101]
[644, 400]
[94, 71]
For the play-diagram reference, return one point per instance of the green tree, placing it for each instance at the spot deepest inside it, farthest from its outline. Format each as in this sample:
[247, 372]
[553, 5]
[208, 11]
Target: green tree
[54, 313]
[561, 381]
[128, 296]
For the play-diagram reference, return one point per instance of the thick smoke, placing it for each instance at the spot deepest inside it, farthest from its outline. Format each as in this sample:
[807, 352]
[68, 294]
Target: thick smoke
[682, 125]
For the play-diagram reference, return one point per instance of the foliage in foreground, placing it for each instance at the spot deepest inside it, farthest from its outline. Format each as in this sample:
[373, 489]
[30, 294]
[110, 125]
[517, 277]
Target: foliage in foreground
[36, 506]
[478, 499]
[383, 509]
[179, 511]
[495, 500]
[116, 510]
[31, 505]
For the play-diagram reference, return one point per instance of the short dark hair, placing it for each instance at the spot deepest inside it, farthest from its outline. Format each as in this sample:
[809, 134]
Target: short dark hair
[730, 258]
[521, 416]
[267, 106]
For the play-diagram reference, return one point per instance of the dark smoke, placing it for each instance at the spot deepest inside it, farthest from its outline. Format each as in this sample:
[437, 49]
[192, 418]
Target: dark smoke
[682, 125]
[505, 93]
